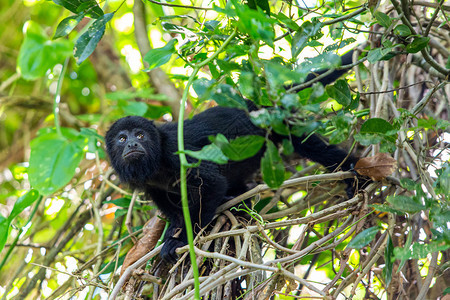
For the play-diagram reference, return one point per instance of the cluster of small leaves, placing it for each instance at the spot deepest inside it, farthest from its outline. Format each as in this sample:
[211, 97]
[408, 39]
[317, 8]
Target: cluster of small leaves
[411, 43]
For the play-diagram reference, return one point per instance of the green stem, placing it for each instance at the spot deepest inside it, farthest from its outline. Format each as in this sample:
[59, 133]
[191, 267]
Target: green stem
[184, 164]
[57, 98]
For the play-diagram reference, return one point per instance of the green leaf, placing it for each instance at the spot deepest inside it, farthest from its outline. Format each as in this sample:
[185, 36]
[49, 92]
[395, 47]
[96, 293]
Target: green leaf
[203, 88]
[135, 108]
[306, 32]
[255, 23]
[376, 125]
[4, 230]
[242, 147]
[382, 19]
[402, 30]
[53, 160]
[67, 25]
[23, 202]
[278, 75]
[38, 54]
[225, 95]
[209, 152]
[405, 203]
[417, 44]
[263, 4]
[363, 238]
[342, 124]
[288, 148]
[283, 19]
[272, 166]
[76, 6]
[88, 41]
[340, 91]
[388, 261]
[378, 54]
[160, 56]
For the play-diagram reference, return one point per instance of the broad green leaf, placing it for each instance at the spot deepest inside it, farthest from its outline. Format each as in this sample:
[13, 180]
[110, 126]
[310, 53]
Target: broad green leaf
[88, 41]
[323, 61]
[67, 25]
[340, 92]
[408, 184]
[23, 202]
[76, 6]
[402, 30]
[254, 22]
[53, 160]
[160, 56]
[376, 125]
[382, 19]
[417, 44]
[377, 54]
[282, 18]
[225, 95]
[278, 75]
[406, 204]
[38, 54]
[363, 238]
[209, 152]
[272, 166]
[135, 108]
[203, 88]
[301, 38]
[242, 147]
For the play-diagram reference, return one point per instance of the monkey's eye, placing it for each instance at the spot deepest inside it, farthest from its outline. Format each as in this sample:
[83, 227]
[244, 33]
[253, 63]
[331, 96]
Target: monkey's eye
[122, 138]
[140, 136]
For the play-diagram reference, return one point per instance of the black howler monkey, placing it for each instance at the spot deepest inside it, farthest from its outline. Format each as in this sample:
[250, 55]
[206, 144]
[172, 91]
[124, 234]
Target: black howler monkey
[143, 154]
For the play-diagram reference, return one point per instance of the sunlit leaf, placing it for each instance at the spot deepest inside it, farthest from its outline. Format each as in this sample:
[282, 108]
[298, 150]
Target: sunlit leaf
[67, 25]
[23, 202]
[50, 171]
[38, 53]
[90, 7]
[88, 41]
[160, 56]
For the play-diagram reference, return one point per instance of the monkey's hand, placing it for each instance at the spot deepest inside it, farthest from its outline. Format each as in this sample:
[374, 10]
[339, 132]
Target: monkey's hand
[168, 250]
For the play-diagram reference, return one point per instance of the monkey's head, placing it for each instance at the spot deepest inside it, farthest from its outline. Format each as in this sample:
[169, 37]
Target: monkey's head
[134, 148]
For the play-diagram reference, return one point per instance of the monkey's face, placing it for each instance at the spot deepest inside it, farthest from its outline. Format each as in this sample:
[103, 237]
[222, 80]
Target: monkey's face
[133, 146]
[132, 143]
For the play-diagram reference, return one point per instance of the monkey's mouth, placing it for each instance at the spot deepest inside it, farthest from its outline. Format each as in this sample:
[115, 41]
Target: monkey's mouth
[133, 154]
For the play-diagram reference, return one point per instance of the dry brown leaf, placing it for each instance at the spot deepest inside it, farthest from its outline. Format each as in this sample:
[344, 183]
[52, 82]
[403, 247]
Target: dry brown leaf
[153, 230]
[376, 167]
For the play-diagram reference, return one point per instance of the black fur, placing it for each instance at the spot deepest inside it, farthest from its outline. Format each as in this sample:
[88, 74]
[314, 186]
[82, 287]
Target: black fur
[142, 153]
